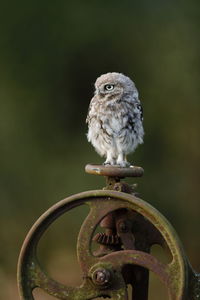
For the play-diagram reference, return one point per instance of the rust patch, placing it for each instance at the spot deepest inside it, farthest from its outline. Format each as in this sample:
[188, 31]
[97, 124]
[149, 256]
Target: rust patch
[130, 227]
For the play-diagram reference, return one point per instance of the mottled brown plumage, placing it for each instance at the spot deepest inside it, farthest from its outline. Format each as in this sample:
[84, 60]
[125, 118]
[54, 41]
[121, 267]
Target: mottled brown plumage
[115, 118]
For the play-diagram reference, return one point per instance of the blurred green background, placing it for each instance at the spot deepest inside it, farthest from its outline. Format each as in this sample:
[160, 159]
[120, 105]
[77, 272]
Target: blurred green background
[50, 56]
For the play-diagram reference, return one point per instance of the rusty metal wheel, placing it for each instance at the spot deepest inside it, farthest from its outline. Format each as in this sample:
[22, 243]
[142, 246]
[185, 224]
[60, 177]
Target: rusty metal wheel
[102, 275]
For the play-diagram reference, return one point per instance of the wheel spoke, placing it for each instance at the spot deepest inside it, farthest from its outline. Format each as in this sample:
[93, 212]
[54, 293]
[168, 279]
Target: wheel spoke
[85, 257]
[99, 208]
[119, 294]
[32, 276]
[167, 273]
[135, 257]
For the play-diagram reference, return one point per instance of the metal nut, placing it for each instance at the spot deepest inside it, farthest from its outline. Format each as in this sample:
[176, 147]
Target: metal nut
[101, 277]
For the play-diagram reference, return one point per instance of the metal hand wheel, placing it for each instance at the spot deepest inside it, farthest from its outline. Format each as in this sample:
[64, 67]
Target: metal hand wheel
[103, 275]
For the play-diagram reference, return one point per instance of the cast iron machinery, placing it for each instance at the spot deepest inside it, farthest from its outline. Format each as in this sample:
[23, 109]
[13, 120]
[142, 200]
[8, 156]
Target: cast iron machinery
[130, 227]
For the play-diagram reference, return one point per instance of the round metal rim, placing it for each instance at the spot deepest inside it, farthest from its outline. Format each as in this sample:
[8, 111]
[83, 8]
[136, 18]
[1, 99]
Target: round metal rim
[114, 171]
[154, 216]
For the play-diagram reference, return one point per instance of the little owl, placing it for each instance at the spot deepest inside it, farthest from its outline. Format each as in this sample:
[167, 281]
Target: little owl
[115, 118]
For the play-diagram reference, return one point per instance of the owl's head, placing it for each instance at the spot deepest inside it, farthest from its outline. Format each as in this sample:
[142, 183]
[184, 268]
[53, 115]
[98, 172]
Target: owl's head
[115, 84]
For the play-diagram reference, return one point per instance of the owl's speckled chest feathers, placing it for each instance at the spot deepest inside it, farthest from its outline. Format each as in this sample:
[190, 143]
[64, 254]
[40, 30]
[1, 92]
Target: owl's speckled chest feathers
[113, 115]
[115, 123]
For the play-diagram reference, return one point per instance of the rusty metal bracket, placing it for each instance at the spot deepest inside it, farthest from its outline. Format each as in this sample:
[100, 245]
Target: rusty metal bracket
[130, 227]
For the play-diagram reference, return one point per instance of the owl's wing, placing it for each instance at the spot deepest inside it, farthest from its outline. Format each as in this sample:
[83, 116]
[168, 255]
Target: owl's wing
[134, 116]
[140, 108]
[89, 110]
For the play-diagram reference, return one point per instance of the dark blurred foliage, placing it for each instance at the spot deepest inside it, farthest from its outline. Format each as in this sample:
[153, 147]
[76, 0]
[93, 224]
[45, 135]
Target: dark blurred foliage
[50, 55]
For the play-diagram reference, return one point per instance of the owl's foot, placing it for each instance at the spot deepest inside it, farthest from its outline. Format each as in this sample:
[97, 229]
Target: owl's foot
[110, 162]
[110, 159]
[123, 164]
[122, 161]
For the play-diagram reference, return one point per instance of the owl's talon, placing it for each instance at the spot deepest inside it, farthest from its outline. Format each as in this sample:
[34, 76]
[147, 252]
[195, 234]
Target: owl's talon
[123, 164]
[109, 163]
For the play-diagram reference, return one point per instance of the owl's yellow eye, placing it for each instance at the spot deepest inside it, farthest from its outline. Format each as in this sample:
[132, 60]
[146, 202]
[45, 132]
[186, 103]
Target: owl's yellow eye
[109, 87]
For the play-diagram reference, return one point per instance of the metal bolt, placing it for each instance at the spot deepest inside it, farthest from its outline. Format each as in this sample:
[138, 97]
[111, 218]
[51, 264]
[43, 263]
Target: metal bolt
[101, 277]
